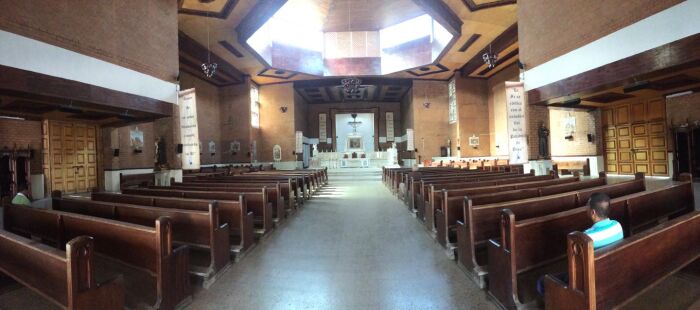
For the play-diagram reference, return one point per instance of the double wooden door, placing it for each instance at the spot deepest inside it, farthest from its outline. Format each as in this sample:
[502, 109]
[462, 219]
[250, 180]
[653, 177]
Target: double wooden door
[635, 138]
[72, 156]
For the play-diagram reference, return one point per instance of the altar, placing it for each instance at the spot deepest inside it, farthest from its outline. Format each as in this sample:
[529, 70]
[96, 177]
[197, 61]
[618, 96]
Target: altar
[354, 163]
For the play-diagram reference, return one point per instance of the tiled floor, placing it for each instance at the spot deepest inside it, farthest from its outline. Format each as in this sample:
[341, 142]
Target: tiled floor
[353, 246]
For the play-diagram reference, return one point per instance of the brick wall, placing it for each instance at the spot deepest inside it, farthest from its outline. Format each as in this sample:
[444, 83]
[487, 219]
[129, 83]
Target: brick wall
[548, 29]
[128, 159]
[431, 124]
[22, 135]
[681, 110]
[276, 127]
[235, 121]
[472, 107]
[587, 122]
[140, 35]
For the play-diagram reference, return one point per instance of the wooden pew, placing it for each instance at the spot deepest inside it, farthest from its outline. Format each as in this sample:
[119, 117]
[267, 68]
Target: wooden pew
[200, 230]
[136, 180]
[636, 264]
[539, 241]
[67, 278]
[274, 194]
[286, 187]
[233, 212]
[295, 183]
[418, 187]
[256, 202]
[435, 195]
[451, 208]
[428, 208]
[157, 277]
[563, 165]
[481, 223]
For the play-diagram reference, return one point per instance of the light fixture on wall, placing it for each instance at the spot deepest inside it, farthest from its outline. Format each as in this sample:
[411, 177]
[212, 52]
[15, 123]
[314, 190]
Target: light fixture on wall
[283, 109]
[426, 103]
[209, 68]
[490, 57]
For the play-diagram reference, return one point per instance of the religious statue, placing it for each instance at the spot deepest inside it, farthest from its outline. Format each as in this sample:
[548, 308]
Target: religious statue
[160, 155]
[543, 134]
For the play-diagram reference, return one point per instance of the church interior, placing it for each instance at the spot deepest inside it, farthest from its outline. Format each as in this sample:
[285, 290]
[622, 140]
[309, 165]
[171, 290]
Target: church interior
[349, 154]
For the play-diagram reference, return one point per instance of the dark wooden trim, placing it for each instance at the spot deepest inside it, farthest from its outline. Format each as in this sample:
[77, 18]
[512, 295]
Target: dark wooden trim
[442, 13]
[223, 14]
[264, 73]
[674, 56]
[47, 87]
[502, 59]
[500, 43]
[472, 6]
[258, 15]
[439, 66]
[469, 42]
[229, 47]
[190, 47]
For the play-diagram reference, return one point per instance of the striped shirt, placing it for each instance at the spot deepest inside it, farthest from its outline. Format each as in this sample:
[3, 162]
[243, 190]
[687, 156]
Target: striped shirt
[605, 232]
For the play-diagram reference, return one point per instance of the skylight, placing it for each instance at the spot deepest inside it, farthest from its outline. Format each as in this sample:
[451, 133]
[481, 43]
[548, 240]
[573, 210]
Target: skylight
[293, 39]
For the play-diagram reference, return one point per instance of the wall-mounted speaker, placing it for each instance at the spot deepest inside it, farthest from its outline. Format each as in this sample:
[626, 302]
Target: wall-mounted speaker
[115, 153]
[590, 137]
[179, 148]
[31, 154]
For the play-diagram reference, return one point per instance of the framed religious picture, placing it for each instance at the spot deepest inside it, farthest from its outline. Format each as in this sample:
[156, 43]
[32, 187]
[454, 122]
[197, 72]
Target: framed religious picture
[354, 143]
[136, 139]
[277, 152]
[473, 141]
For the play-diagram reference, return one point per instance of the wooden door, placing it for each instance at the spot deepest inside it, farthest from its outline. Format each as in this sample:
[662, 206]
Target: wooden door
[73, 153]
[635, 138]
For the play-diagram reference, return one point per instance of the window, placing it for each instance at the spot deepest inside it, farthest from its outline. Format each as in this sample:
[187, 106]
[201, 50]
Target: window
[254, 107]
[452, 95]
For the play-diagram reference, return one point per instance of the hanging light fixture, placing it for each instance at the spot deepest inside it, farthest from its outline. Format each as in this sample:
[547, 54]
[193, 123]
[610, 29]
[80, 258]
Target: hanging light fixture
[209, 68]
[351, 85]
[490, 58]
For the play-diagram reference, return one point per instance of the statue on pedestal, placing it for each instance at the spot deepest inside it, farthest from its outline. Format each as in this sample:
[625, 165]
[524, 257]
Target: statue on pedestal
[543, 134]
[392, 155]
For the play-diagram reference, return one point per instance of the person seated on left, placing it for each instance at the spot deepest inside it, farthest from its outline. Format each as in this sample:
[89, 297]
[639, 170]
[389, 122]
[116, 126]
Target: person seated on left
[22, 197]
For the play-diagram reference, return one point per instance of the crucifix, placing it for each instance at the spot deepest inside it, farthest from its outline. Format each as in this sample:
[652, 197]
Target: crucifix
[355, 123]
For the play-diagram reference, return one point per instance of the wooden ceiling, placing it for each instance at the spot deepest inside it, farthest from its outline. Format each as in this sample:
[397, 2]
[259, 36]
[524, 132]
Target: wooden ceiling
[482, 22]
[372, 89]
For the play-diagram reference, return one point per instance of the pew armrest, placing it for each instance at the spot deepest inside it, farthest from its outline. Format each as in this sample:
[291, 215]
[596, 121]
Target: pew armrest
[108, 296]
[558, 295]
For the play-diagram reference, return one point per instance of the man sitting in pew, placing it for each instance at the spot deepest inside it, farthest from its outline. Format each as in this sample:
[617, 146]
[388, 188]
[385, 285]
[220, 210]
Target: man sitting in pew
[604, 231]
[22, 197]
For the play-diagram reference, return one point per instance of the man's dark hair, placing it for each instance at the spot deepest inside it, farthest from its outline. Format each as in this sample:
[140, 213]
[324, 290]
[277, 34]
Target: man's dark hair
[600, 203]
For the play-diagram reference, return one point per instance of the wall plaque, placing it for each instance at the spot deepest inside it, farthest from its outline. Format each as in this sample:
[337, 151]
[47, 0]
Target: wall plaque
[322, 133]
[390, 126]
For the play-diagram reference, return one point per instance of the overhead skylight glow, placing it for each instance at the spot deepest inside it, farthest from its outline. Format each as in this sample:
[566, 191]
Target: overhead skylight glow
[293, 39]
[407, 31]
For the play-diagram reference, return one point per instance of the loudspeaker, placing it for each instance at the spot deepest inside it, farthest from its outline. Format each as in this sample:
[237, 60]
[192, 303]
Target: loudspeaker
[590, 137]
[31, 154]
[115, 153]
[179, 148]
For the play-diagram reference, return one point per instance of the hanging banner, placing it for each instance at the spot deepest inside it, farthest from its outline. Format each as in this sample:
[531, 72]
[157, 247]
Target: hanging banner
[189, 131]
[322, 134]
[409, 140]
[390, 126]
[517, 129]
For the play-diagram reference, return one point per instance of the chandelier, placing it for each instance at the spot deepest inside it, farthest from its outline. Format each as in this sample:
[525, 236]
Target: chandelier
[209, 68]
[351, 86]
[490, 58]
[355, 123]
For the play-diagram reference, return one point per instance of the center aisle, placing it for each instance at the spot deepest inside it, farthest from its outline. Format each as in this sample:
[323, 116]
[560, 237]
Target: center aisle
[353, 246]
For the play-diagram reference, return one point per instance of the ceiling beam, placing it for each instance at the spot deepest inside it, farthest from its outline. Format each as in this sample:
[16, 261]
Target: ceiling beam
[55, 88]
[667, 58]
[258, 15]
[192, 48]
[500, 43]
[443, 14]
[473, 6]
